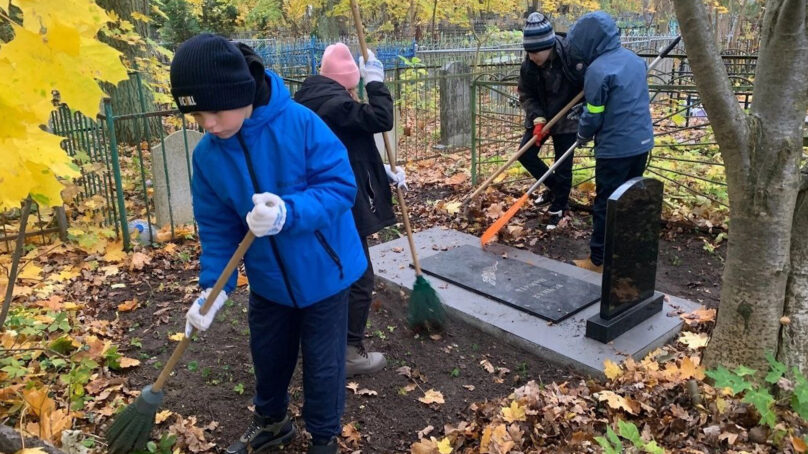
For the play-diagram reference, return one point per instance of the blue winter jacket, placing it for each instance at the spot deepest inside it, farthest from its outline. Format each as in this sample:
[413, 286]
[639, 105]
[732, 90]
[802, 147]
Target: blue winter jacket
[617, 110]
[295, 155]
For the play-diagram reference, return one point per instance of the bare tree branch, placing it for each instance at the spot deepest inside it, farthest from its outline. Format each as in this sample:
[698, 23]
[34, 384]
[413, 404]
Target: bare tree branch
[726, 116]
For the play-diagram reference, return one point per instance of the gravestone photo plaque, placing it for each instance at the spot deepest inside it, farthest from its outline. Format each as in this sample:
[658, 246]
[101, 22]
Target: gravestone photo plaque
[526, 287]
[633, 218]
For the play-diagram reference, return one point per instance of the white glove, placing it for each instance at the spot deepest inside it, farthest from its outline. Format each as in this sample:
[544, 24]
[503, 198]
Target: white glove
[399, 178]
[268, 215]
[194, 319]
[373, 70]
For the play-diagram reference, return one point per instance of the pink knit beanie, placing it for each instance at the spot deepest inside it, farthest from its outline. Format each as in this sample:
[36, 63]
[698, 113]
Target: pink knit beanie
[338, 64]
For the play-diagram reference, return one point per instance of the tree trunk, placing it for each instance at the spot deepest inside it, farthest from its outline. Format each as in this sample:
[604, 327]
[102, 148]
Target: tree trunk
[794, 334]
[434, 16]
[328, 25]
[762, 152]
[125, 96]
[411, 19]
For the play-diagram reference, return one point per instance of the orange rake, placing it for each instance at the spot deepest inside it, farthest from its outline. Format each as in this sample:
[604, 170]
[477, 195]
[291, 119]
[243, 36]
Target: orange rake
[492, 231]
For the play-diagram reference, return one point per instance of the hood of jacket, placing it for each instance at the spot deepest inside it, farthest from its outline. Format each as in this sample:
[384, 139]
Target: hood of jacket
[593, 35]
[317, 90]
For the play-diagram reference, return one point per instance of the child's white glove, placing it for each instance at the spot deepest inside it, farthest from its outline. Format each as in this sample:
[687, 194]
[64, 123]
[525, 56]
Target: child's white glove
[194, 319]
[268, 215]
[372, 70]
[399, 178]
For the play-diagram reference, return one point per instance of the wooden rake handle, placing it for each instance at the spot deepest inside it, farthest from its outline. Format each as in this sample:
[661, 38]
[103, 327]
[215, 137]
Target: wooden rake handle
[360, 32]
[217, 288]
[525, 147]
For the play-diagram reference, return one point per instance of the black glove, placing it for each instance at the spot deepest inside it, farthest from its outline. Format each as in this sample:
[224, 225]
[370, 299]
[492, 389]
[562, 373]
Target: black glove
[583, 140]
[575, 112]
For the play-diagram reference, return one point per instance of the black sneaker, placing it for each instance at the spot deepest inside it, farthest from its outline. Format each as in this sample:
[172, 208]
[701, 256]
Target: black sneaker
[263, 434]
[555, 219]
[324, 447]
[545, 198]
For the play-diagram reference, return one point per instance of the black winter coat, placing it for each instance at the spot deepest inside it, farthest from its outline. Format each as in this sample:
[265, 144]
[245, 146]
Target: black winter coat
[545, 90]
[355, 123]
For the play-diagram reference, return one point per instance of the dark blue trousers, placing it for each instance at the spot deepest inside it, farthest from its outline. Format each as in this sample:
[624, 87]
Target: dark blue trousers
[277, 333]
[610, 174]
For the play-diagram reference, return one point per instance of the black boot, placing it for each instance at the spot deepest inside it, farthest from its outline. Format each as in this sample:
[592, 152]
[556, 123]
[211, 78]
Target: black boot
[263, 434]
[324, 447]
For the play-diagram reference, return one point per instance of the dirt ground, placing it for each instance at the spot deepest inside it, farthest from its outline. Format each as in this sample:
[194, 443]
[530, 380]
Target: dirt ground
[214, 381]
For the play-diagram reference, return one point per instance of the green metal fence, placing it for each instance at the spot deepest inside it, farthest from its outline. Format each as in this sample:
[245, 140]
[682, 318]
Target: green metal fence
[685, 155]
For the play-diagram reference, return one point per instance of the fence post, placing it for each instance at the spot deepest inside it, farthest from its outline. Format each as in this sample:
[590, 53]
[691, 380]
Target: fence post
[116, 170]
[312, 49]
[474, 132]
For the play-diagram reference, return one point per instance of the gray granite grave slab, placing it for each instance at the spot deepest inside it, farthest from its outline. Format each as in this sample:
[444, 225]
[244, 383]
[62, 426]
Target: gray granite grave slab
[562, 342]
[535, 290]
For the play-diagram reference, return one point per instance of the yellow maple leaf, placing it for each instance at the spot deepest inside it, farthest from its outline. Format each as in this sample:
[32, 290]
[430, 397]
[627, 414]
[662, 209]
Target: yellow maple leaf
[160, 417]
[611, 369]
[690, 370]
[694, 341]
[452, 207]
[59, 36]
[444, 446]
[128, 306]
[432, 397]
[177, 337]
[114, 252]
[514, 413]
[67, 274]
[615, 401]
[128, 362]
[31, 271]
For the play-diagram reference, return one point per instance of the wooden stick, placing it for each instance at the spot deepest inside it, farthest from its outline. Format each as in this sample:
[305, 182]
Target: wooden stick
[15, 261]
[217, 288]
[390, 157]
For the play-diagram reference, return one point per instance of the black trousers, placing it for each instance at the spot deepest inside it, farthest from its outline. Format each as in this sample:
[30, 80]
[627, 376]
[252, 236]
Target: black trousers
[610, 174]
[359, 299]
[560, 181]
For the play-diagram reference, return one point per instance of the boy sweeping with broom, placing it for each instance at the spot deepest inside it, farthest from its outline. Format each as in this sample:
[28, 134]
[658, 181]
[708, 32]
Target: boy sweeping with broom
[272, 166]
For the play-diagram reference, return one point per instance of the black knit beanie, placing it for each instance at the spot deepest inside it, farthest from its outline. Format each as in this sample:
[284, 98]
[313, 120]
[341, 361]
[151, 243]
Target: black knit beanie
[209, 73]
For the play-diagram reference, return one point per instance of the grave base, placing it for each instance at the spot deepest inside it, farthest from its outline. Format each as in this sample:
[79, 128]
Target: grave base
[605, 331]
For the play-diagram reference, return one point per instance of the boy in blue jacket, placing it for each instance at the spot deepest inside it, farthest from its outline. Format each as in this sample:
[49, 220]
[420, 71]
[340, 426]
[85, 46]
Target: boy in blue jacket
[617, 115]
[272, 166]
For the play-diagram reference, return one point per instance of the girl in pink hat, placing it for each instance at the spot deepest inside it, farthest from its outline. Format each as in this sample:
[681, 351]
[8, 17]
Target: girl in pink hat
[332, 95]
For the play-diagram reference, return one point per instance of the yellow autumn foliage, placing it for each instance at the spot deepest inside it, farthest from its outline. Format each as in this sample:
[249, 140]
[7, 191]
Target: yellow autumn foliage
[55, 48]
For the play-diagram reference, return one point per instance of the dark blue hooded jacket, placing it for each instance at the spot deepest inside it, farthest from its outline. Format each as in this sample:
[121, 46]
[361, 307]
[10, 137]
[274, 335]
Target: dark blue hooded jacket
[296, 156]
[617, 110]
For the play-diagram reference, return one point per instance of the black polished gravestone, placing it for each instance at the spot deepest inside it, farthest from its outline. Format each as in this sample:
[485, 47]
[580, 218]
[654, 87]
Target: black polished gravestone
[633, 215]
[526, 287]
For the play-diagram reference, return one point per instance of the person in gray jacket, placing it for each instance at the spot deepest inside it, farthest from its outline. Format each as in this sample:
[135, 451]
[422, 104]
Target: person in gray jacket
[617, 115]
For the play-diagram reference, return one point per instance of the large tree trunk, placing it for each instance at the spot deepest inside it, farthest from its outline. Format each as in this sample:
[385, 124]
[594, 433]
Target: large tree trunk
[762, 152]
[125, 96]
[795, 332]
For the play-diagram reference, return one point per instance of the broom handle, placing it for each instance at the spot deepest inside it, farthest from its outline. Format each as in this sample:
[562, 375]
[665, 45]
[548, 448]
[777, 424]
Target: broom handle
[662, 54]
[525, 147]
[390, 157]
[217, 288]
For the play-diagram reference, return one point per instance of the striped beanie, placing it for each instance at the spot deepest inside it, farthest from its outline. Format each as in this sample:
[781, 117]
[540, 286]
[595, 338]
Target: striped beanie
[538, 33]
